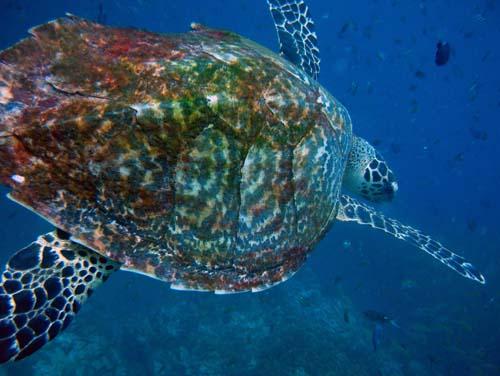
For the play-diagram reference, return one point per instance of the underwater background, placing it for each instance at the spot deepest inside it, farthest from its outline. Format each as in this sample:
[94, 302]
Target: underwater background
[438, 127]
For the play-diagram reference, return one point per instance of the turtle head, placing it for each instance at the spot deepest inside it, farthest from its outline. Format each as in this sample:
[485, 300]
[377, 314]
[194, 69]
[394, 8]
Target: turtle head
[368, 174]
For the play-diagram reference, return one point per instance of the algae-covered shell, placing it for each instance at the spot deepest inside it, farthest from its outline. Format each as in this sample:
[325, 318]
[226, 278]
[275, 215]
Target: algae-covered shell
[201, 158]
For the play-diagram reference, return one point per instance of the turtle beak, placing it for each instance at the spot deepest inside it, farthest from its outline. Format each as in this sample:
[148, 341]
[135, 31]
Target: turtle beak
[390, 188]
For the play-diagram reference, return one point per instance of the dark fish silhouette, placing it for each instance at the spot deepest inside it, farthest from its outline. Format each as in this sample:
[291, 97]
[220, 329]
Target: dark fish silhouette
[337, 280]
[101, 16]
[471, 224]
[346, 316]
[478, 134]
[420, 74]
[380, 319]
[377, 317]
[459, 157]
[442, 53]
[377, 336]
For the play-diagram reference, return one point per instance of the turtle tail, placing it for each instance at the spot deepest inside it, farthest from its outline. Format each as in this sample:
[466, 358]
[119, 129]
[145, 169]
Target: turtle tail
[42, 288]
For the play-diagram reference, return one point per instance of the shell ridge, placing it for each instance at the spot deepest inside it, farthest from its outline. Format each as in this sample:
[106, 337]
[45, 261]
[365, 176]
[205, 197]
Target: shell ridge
[257, 135]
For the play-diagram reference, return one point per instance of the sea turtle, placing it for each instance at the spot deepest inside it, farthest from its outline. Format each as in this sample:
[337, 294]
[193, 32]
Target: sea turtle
[201, 159]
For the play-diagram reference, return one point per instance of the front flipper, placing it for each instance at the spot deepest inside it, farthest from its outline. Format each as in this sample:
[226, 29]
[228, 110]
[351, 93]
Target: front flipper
[298, 42]
[352, 210]
[42, 288]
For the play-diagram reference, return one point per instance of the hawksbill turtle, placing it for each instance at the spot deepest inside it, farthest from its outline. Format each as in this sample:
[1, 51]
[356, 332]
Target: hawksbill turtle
[202, 159]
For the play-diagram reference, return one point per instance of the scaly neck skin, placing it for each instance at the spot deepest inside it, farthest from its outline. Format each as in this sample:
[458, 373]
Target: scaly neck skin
[367, 173]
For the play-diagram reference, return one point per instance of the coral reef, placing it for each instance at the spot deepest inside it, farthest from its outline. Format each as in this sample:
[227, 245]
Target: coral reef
[296, 328]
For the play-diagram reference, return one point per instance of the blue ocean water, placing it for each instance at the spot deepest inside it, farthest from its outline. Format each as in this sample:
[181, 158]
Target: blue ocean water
[438, 126]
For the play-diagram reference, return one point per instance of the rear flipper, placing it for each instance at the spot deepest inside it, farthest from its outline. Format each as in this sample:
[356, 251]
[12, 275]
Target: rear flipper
[42, 288]
[352, 210]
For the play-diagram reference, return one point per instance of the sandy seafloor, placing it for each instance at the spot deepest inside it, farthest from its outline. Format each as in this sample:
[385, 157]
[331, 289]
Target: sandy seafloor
[439, 128]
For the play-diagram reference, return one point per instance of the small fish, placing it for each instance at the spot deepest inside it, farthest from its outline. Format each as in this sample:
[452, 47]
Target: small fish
[468, 34]
[479, 18]
[337, 280]
[376, 316]
[304, 301]
[413, 106]
[346, 244]
[478, 134]
[14, 5]
[377, 336]
[471, 224]
[381, 55]
[346, 315]
[354, 87]
[420, 74]
[345, 27]
[490, 302]
[486, 56]
[369, 87]
[473, 91]
[101, 16]
[457, 158]
[379, 318]
[408, 284]
[443, 51]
